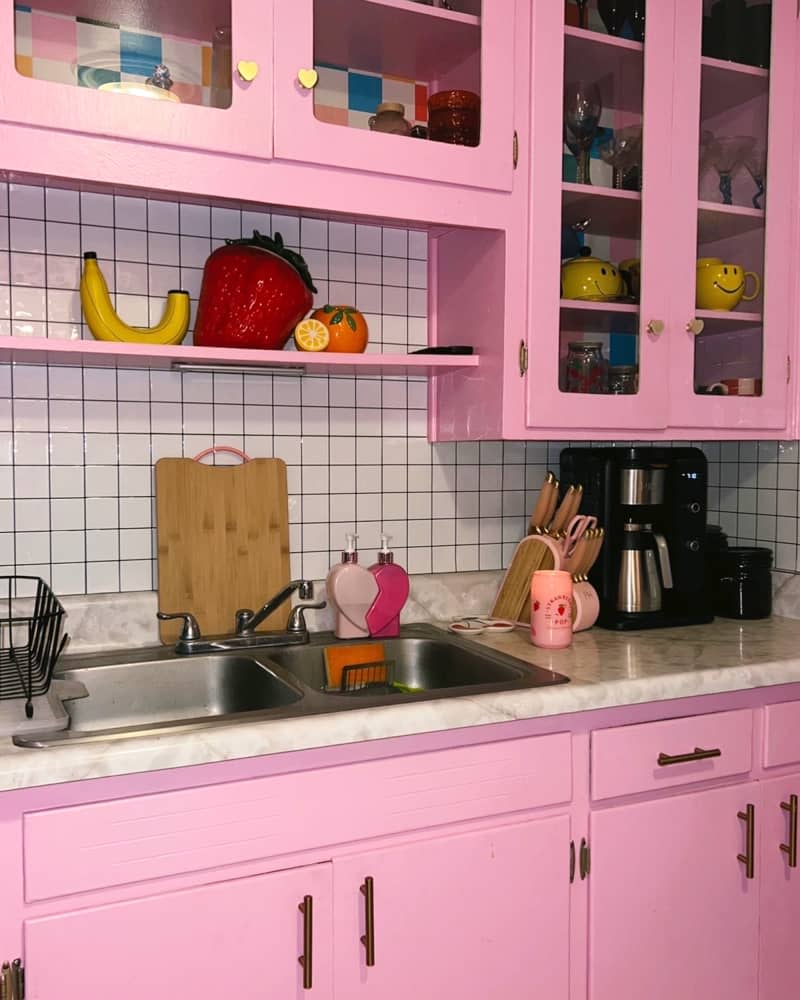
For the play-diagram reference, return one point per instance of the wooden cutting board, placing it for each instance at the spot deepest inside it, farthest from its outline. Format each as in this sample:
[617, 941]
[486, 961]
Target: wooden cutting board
[223, 541]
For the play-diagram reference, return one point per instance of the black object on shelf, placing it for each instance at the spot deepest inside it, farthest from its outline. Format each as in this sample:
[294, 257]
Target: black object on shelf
[31, 640]
[453, 349]
[739, 33]
[614, 13]
[741, 582]
[759, 34]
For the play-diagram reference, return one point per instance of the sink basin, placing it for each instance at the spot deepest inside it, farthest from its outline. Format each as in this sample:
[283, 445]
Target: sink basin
[158, 692]
[136, 693]
[422, 664]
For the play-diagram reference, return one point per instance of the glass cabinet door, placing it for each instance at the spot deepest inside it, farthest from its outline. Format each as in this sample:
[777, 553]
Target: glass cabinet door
[734, 154]
[180, 74]
[598, 308]
[416, 88]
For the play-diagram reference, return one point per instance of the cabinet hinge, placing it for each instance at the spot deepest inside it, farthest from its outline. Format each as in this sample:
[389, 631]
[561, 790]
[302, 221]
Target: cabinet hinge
[788, 357]
[523, 358]
[12, 980]
[516, 143]
[585, 859]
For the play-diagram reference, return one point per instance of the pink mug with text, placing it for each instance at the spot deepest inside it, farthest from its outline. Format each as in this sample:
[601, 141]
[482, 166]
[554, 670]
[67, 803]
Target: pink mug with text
[551, 609]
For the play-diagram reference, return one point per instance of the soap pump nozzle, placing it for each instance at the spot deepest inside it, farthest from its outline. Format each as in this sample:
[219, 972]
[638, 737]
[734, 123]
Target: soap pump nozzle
[350, 554]
[385, 555]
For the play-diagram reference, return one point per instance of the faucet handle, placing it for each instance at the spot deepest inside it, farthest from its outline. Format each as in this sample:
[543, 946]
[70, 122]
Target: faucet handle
[190, 631]
[297, 619]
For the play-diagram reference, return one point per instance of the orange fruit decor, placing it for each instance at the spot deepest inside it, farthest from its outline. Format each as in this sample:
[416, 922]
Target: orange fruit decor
[311, 335]
[347, 328]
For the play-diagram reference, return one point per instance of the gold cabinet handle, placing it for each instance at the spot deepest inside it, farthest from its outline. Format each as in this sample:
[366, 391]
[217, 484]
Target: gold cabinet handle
[571, 862]
[247, 69]
[585, 861]
[748, 859]
[665, 759]
[655, 327]
[368, 939]
[695, 326]
[791, 847]
[306, 959]
[307, 78]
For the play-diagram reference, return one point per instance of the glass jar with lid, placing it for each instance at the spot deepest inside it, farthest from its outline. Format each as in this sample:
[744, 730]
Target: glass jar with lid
[390, 118]
[586, 368]
[623, 380]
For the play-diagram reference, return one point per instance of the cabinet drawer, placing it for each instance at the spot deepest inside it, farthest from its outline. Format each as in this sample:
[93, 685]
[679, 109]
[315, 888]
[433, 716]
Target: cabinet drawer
[782, 734]
[154, 836]
[631, 759]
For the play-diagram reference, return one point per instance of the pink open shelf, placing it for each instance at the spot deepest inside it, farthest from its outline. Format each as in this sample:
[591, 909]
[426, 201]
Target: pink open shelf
[94, 353]
[612, 307]
[718, 222]
[395, 37]
[728, 85]
[617, 64]
[598, 317]
[612, 211]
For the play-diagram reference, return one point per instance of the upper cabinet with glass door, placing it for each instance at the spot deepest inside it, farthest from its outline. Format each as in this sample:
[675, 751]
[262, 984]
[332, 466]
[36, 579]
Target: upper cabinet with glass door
[600, 183]
[734, 152]
[413, 88]
[196, 75]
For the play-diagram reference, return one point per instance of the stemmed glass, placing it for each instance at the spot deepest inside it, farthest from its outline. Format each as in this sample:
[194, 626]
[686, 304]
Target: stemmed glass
[582, 109]
[756, 165]
[728, 154]
[583, 19]
[622, 151]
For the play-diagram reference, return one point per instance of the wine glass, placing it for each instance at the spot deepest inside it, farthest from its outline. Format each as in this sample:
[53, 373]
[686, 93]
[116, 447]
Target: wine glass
[613, 13]
[622, 151]
[729, 154]
[756, 165]
[583, 17]
[582, 109]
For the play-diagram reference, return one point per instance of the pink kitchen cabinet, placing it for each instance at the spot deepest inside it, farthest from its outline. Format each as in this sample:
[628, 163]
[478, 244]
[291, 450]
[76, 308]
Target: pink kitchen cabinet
[240, 939]
[336, 60]
[671, 910]
[57, 56]
[779, 960]
[671, 91]
[471, 915]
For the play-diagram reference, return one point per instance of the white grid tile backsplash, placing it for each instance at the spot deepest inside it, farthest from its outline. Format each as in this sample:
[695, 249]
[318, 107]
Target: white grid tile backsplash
[77, 446]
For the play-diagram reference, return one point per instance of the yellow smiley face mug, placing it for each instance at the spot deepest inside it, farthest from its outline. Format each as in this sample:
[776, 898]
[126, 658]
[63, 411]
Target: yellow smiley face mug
[721, 286]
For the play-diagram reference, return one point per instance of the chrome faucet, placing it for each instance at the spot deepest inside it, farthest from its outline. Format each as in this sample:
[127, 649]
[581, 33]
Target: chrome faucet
[247, 621]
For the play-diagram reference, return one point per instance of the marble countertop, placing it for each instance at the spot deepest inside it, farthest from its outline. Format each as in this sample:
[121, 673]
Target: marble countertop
[606, 669]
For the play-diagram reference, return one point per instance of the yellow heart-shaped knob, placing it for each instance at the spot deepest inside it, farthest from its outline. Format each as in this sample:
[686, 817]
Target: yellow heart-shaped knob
[308, 78]
[247, 70]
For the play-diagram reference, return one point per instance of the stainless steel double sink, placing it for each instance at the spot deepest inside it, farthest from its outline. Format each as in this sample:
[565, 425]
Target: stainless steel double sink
[155, 690]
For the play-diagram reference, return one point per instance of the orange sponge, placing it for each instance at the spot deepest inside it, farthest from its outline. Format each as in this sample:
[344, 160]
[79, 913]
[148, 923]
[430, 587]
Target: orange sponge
[339, 657]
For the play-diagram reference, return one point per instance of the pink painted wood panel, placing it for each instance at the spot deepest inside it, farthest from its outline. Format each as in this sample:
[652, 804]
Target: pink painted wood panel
[244, 129]
[779, 956]
[300, 136]
[113, 843]
[671, 914]
[234, 939]
[547, 406]
[782, 734]
[472, 916]
[714, 412]
[625, 758]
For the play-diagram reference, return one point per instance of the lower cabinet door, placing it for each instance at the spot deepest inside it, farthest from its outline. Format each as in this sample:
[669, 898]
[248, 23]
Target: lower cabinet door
[468, 916]
[672, 914]
[237, 939]
[779, 964]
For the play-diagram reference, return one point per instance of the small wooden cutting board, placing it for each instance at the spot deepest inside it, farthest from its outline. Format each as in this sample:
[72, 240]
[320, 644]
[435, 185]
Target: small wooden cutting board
[223, 541]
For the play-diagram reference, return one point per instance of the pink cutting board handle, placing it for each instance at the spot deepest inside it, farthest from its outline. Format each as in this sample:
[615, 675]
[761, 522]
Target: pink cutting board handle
[229, 448]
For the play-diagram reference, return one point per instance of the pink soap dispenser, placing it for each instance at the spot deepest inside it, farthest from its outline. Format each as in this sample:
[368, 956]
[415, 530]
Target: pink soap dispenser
[352, 590]
[383, 618]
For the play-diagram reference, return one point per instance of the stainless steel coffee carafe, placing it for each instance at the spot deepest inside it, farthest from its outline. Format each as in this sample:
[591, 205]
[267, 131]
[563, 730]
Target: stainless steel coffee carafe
[645, 570]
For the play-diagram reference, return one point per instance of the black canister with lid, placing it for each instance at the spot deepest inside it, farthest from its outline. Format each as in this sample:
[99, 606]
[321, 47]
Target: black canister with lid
[742, 583]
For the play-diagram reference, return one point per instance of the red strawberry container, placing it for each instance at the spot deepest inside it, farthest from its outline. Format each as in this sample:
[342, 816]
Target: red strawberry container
[254, 293]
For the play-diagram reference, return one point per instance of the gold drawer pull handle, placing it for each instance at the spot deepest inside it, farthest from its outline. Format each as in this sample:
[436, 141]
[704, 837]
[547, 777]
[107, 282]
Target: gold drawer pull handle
[748, 859]
[665, 759]
[655, 327]
[368, 939]
[306, 959]
[791, 847]
[307, 78]
[247, 70]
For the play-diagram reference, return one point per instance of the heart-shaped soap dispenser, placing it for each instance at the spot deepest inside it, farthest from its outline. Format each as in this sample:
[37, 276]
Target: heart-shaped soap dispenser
[383, 618]
[352, 590]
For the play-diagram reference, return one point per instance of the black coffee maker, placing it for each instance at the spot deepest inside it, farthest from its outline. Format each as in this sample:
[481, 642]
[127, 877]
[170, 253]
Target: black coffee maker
[652, 504]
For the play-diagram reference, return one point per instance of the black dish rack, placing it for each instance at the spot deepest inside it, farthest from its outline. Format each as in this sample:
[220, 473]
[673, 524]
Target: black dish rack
[31, 638]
